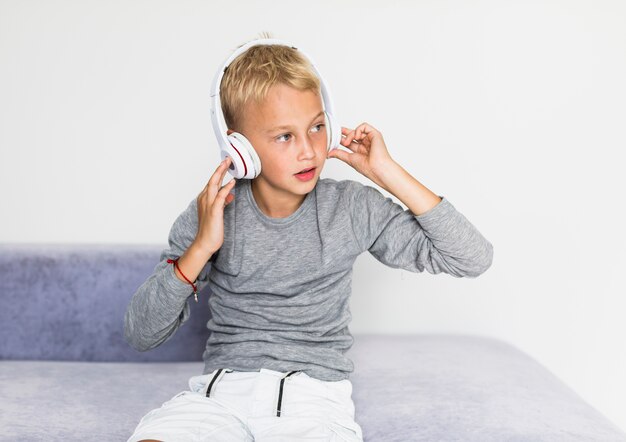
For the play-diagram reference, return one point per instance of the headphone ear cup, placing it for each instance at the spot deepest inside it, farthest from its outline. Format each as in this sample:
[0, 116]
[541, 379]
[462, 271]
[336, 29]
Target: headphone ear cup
[245, 160]
[333, 132]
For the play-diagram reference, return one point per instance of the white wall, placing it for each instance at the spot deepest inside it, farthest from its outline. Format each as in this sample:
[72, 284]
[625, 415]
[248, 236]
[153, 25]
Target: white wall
[514, 111]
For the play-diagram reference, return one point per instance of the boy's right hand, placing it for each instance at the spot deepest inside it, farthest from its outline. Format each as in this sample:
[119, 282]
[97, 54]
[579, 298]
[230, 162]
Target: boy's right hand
[211, 203]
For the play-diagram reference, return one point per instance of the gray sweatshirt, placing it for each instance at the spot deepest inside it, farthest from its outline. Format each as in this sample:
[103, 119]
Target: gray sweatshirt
[280, 287]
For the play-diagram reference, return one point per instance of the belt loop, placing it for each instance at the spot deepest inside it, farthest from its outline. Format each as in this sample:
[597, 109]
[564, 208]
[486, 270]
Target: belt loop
[218, 375]
[280, 391]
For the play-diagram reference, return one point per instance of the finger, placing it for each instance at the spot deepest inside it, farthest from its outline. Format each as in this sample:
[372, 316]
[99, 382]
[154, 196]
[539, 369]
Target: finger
[348, 135]
[346, 141]
[226, 165]
[203, 193]
[349, 138]
[363, 138]
[219, 172]
[363, 128]
[366, 128]
[215, 182]
[342, 155]
[352, 146]
[226, 188]
[211, 179]
[223, 191]
[361, 132]
[220, 199]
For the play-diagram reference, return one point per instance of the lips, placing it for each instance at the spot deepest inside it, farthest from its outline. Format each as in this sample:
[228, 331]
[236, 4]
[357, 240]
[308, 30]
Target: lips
[305, 170]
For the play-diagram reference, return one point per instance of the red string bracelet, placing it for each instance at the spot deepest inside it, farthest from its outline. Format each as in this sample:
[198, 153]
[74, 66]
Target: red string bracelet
[195, 289]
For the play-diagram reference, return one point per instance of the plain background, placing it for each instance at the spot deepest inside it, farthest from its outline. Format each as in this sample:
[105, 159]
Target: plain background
[514, 111]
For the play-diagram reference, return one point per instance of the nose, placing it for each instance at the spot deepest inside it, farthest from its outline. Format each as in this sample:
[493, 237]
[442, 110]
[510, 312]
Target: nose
[307, 149]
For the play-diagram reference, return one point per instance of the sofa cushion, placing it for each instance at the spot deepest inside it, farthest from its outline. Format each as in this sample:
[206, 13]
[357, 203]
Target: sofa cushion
[67, 303]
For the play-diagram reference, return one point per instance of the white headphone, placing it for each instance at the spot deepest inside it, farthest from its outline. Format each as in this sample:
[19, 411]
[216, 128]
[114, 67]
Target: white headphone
[245, 162]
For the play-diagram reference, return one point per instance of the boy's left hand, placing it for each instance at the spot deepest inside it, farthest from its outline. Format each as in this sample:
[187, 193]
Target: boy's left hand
[369, 151]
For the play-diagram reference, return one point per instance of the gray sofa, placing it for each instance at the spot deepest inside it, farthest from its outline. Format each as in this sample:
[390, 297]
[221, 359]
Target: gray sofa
[67, 373]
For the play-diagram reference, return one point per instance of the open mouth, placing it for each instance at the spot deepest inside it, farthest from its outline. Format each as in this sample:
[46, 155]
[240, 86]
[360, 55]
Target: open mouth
[305, 170]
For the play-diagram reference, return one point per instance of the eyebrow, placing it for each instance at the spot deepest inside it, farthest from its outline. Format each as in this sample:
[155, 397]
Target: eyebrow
[286, 126]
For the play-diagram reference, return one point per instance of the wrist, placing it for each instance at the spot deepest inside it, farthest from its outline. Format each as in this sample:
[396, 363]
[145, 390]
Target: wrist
[386, 173]
[200, 250]
[178, 274]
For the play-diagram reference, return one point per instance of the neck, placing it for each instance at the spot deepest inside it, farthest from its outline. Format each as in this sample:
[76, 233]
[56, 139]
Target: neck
[273, 203]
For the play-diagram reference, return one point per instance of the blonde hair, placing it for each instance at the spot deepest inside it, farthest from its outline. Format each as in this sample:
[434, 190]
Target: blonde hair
[251, 74]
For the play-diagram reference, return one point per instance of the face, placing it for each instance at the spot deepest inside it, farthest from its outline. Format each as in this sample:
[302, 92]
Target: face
[288, 131]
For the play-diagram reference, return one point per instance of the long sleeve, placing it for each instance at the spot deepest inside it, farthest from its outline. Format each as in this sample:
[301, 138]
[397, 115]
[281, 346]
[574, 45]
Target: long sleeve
[440, 240]
[159, 306]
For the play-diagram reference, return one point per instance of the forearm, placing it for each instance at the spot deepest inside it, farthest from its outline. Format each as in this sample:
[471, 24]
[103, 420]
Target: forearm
[394, 179]
[192, 261]
[159, 306]
[157, 309]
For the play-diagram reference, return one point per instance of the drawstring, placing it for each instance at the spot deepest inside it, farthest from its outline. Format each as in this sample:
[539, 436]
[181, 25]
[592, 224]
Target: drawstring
[216, 377]
[280, 392]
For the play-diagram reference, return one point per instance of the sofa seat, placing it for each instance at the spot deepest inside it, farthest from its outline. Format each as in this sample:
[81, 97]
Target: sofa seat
[406, 388]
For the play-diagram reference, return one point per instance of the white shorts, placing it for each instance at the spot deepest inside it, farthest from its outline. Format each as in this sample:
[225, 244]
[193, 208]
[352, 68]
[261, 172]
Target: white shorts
[265, 405]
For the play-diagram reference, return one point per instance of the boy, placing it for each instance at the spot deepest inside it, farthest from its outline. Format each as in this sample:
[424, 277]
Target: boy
[278, 253]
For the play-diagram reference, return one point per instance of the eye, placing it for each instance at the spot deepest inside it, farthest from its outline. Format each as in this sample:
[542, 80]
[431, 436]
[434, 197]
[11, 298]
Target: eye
[320, 126]
[280, 137]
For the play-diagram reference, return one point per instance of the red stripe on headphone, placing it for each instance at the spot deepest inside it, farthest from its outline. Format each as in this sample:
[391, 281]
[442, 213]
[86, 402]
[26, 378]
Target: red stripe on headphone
[245, 168]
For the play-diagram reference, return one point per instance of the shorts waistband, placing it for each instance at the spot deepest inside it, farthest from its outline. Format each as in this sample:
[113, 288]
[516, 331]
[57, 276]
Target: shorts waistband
[217, 375]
